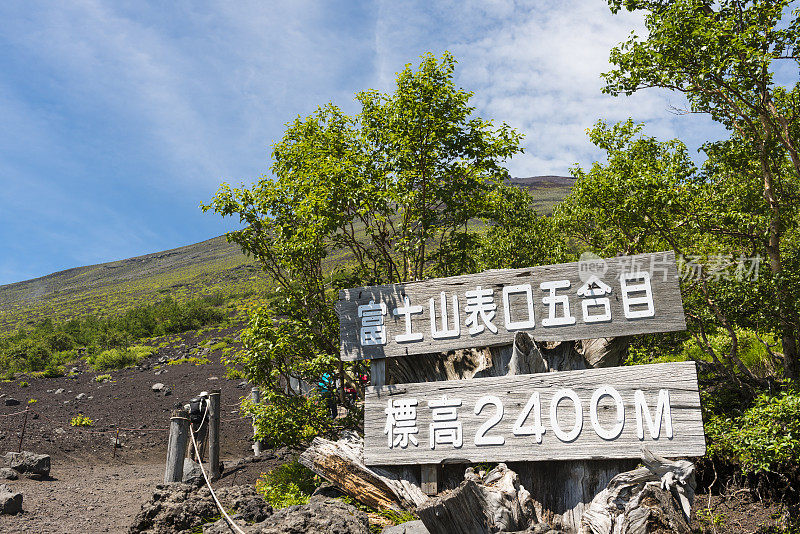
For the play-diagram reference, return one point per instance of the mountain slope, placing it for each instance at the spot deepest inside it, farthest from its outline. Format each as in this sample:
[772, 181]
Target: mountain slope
[184, 273]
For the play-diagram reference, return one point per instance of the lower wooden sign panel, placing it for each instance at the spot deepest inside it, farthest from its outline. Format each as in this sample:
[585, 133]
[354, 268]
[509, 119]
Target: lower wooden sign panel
[574, 415]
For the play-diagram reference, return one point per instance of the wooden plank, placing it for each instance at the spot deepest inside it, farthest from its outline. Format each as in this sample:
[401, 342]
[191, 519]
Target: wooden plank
[513, 293]
[378, 372]
[514, 393]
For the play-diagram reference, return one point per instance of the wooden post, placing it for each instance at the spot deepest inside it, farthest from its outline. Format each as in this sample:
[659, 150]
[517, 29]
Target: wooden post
[429, 478]
[255, 396]
[213, 433]
[24, 424]
[176, 448]
[377, 372]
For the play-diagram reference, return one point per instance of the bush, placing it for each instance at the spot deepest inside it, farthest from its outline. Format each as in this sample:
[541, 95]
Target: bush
[287, 485]
[49, 345]
[765, 438]
[118, 358]
[289, 421]
[81, 420]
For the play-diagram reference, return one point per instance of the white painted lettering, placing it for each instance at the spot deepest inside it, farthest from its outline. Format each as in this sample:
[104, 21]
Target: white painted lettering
[480, 436]
[616, 430]
[578, 426]
[552, 301]
[530, 322]
[663, 414]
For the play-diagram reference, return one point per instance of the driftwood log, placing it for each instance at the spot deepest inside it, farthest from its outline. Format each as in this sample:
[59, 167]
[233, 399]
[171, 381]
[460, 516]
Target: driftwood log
[341, 463]
[640, 501]
[483, 503]
[560, 490]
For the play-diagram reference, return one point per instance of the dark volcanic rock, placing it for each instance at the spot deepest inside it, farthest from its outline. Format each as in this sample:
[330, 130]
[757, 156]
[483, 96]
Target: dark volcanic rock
[7, 473]
[191, 472]
[10, 501]
[28, 463]
[328, 490]
[320, 516]
[182, 508]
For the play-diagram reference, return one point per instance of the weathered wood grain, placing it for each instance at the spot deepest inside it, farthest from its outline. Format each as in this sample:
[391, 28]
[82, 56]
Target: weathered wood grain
[668, 309]
[340, 462]
[514, 392]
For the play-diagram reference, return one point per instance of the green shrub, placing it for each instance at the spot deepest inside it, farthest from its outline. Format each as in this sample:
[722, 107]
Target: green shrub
[193, 359]
[50, 345]
[100, 378]
[750, 350]
[288, 421]
[118, 358]
[81, 420]
[287, 485]
[231, 373]
[23, 384]
[765, 438]
[53, 370]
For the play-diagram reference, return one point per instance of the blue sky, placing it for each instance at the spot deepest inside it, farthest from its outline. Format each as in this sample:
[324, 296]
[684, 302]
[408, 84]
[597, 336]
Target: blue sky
[120, 118]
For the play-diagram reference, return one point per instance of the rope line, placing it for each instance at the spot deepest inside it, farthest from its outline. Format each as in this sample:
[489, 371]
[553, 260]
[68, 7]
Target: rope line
[231, 523]
[15, 413]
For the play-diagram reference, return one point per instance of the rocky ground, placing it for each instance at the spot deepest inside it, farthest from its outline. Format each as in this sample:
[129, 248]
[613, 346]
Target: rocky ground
[93, 485]
[103, 477]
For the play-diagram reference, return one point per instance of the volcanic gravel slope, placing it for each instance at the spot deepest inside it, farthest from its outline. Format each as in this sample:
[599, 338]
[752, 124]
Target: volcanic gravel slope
[95, 488]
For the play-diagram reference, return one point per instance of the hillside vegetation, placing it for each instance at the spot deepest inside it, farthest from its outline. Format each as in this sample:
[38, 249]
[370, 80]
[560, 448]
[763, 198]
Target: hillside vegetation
[113, 306]
[212, 267]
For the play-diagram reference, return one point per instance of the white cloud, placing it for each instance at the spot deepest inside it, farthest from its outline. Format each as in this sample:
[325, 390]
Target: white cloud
[536, 66]
[126, 110]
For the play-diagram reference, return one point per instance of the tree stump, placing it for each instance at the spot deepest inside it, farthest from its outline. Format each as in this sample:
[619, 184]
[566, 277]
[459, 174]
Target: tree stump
[482, 503]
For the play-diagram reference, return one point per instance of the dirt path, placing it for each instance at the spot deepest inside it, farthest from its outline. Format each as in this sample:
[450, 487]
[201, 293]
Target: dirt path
[99, 498]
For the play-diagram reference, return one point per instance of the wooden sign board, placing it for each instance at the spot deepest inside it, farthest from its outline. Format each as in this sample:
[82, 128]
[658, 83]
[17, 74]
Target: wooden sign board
[573, 415]
[618, 296]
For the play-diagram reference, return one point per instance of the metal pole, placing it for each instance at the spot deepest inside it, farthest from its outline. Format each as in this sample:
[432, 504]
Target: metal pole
[255, 396]
[176, 448]
[213, 433]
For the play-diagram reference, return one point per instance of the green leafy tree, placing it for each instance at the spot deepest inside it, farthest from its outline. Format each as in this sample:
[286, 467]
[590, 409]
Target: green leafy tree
[649, 196]
[403, 190]
[723, 56]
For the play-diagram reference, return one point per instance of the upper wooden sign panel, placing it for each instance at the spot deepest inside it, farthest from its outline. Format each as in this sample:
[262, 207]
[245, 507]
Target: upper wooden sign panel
[588, 299]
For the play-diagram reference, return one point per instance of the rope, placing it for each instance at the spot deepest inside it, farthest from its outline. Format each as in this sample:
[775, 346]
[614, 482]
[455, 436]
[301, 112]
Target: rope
[100, 431]
[205, 412]
[15, 413]
[231, 524]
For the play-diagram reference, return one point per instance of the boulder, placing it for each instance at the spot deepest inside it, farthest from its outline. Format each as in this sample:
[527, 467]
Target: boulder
[191, 472]
[157, 387]
[11, 401]
[183, 508]
[320, 516]
[10, 501]
[28, 463]
[7, 473]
